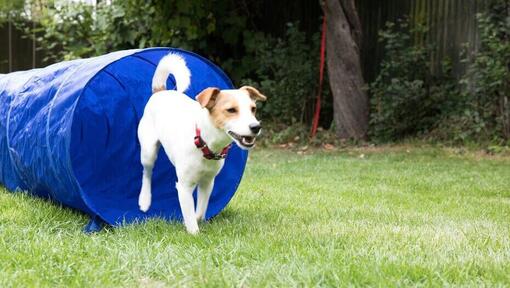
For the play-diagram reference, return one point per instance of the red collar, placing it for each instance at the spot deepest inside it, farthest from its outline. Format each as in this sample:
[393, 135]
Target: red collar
[207, 153]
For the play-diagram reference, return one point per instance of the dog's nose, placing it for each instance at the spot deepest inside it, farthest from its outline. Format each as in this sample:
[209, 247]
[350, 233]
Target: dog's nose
[255, 127]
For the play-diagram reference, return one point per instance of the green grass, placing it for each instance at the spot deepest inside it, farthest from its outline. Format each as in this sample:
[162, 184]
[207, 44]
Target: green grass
[425, 217]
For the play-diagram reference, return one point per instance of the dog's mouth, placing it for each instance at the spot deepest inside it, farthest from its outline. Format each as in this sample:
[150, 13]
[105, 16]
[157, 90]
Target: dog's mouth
[245, 141]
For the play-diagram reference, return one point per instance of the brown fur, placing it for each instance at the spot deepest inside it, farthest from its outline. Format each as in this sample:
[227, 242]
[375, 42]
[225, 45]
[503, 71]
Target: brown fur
[219, 113]
[254, 93]
[155, 90]
[207, 98]
[217, 102]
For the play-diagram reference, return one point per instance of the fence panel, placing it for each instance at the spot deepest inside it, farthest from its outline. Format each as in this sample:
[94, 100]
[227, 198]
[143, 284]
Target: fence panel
[451, 23]
[17, 50]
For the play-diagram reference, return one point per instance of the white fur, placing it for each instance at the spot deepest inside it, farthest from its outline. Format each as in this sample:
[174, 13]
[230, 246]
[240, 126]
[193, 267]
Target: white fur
[169, 119]
[175, 65]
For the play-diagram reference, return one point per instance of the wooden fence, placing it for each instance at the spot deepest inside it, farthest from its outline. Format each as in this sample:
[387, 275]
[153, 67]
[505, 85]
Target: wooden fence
[17, 50]
[452, 24]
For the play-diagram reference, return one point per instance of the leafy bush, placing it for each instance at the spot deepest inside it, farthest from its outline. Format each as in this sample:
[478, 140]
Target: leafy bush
[409, 100]
[298, 136]
[68, 31]
[10, 9]
[287, 69]
[406, 99]
[482, 112]
[486, 105]
[77, 30]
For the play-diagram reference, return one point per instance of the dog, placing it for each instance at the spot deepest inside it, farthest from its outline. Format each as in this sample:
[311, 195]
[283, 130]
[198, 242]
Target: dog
[196, 135]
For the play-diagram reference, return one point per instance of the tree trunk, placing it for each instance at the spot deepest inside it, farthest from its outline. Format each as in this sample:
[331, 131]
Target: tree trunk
[343, 40]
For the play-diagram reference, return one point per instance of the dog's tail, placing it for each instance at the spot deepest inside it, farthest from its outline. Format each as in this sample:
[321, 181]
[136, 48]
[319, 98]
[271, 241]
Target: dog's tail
[175, 65]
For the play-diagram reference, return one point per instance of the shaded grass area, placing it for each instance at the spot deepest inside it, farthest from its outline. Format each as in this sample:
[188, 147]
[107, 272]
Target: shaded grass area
[424, 217]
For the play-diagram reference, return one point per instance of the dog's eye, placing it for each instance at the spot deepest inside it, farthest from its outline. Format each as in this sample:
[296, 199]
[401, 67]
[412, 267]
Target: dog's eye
[232, 110]
[253, 109]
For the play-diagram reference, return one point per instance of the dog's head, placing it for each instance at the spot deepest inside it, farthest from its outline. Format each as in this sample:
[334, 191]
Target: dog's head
[233, 111]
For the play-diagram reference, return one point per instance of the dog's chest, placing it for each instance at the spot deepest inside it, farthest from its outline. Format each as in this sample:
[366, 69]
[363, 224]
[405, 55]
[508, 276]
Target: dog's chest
[202, 169]
[210, 167]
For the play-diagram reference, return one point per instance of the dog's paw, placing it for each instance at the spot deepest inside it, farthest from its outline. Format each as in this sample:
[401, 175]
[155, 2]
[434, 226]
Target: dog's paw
[144, 202]
[192, 229]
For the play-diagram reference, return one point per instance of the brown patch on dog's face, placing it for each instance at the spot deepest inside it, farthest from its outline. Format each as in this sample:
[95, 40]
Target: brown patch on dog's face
[226, 108]
[233, 111]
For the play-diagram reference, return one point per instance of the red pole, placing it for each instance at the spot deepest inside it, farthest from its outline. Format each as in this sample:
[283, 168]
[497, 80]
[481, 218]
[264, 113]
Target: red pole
[315, 122]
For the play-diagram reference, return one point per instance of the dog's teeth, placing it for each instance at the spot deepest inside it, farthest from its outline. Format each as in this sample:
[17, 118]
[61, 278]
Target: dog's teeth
[248, 141]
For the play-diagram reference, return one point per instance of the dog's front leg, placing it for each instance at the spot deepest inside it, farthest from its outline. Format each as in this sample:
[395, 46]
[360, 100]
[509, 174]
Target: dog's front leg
[185, 193]
[204, 192]
[149, 153]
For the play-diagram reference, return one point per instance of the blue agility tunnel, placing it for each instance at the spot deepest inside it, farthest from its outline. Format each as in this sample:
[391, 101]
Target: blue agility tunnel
[68, 132]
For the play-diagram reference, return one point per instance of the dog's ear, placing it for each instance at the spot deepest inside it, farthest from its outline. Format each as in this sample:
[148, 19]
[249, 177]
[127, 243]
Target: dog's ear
[254, 93]
[207, 98]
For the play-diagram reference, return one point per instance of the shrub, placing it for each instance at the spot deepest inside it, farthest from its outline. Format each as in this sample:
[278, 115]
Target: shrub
[76, 30]
[286, 69]
[409, 100]
[486, 105]
[67, 32]
[406, 99]
[10, 9]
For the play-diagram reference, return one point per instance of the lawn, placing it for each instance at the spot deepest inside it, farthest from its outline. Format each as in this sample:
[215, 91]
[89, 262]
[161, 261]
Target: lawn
[380, 217]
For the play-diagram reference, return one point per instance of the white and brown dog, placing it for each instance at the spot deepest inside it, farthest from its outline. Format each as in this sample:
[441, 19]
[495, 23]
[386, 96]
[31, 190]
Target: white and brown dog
[173, 120]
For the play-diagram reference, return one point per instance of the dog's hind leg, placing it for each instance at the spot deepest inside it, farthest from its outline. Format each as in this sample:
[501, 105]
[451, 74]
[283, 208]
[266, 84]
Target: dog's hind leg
[185, 193]
[204, 192]
[149, 145]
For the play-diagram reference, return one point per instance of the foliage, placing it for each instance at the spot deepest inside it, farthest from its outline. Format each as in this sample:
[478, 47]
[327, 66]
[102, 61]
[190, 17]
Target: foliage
[297, 136]
[482, 113]
[411, 98]
[284, 68]
[180, 23]
[406, 98]
[21, 12]
[77, 30]
[10, 8]
[287, 69]
[486, 103]
[67, 31]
